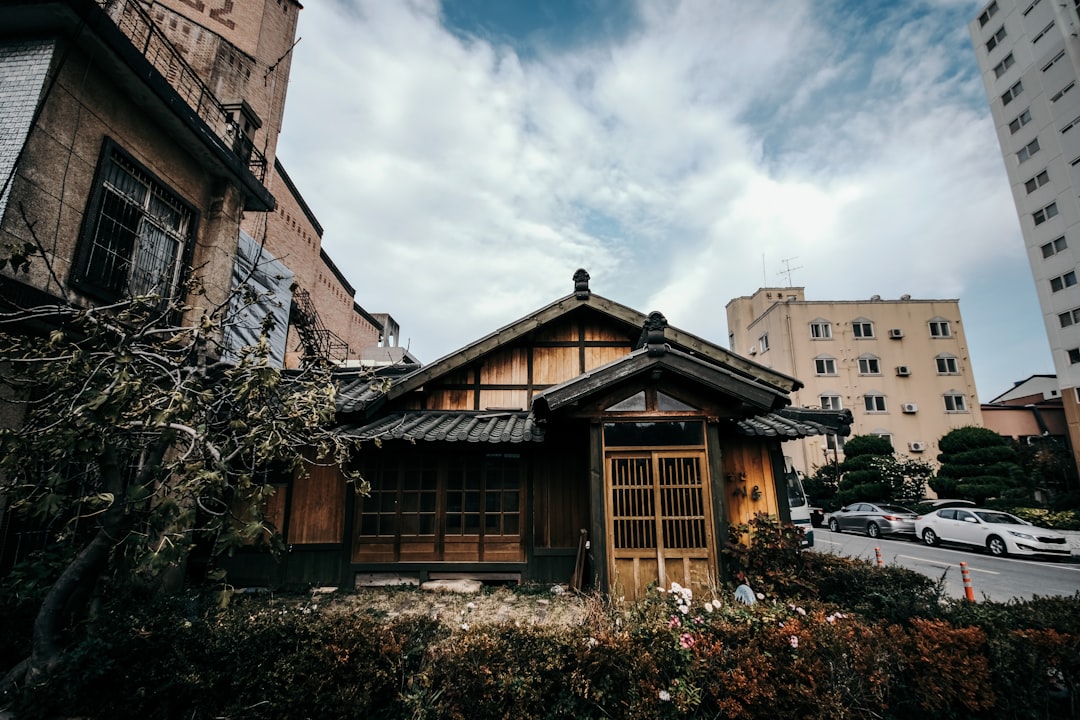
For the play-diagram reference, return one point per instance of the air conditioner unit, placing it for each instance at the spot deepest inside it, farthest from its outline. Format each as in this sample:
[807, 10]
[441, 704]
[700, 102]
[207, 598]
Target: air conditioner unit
[896, 333]
[909, 407]
[752, 350]
[916, 446]
[903, 370]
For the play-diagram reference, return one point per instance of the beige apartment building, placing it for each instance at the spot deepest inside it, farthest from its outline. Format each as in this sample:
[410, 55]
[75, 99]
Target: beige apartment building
[901, 366]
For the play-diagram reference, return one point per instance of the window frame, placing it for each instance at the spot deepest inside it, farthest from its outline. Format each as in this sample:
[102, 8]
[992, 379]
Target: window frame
[821, 330]
[950, 362]
[957, 401]
[876, 399]
[830, 401]
[1061, 282]
[1022, 118]
[862, 329]
[869, 365]
[1046, 213]
[939, 328]
[822, 365]
[1037, 181]
[1055, 246]
[1028, 151]
[113, 159]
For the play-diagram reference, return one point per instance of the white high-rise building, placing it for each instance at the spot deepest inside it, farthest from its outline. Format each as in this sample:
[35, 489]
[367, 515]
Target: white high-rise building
[1029, 54]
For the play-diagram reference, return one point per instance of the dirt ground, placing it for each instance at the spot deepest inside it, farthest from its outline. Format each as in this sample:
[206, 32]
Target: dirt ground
[526, 606]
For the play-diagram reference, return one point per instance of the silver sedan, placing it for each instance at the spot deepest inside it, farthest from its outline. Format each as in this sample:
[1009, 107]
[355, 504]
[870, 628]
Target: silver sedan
[874, 519]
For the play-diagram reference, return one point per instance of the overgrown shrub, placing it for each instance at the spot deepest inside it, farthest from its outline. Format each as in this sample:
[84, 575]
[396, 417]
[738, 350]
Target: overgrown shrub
[866, 642]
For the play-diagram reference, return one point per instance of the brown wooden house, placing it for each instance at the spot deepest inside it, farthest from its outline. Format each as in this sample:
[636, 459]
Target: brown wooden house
[584, 421]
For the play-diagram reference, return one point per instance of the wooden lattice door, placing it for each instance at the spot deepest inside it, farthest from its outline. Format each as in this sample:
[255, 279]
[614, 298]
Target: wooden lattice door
[659, 520]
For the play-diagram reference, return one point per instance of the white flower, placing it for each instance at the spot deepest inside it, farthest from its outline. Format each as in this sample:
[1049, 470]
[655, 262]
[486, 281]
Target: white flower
[471, 606]
[464, 626]
[676, 587]
[716, 603]
[664, 696]
[708, 607]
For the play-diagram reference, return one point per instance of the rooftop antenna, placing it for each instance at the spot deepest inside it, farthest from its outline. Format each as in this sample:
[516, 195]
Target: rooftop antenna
[764, 275]
[788, 269]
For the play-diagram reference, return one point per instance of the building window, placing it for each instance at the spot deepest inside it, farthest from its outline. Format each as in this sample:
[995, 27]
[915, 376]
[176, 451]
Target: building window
[955, 402]
[940, 329]
[1042, 33]
[1012, 93]
[1071, 125]
[1072, 317]
[988, 13]
[996, 38]
[834, 442]
[947, 365]
[1074, 358]
[1036, 182]
[1041, 216]
[763, 342]
[821, 330]
[862, 329]
[136, 234]
[830, 402]
[1061, 93]
[869, 365]
[825, 366]
[1007, 62]
[874, 403]
[1027, 151]
[1020, 121]
[1050, 64]
[1063, 281]
[1028, 10]
[1054, 247]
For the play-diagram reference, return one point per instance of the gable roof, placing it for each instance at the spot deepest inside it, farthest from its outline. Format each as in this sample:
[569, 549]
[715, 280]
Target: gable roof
[756, 396]
[354, 397]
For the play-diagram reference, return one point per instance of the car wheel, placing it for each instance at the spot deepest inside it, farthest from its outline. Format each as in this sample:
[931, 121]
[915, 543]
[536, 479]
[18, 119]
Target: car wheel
[930, 537]
[833, 525]
[873, 530]
[996, 546]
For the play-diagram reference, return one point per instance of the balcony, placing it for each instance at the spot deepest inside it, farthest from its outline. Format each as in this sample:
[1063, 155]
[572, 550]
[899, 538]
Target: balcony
[148, 39]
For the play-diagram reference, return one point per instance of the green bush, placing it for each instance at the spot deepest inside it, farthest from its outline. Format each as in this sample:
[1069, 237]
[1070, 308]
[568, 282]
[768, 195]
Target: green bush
[835, 639]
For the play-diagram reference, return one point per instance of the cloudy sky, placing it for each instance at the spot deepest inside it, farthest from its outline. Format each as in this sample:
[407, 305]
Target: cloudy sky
[465, 157]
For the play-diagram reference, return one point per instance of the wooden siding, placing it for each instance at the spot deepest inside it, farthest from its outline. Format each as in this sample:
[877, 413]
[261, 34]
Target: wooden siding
[561, 490]
[318, 507]
[509, 377]
[746, 464]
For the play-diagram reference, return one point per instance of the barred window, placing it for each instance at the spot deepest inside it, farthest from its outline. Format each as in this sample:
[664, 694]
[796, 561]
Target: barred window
[136, 232]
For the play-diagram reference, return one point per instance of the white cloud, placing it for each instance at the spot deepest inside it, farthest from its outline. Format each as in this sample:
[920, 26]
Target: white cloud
[461, 184]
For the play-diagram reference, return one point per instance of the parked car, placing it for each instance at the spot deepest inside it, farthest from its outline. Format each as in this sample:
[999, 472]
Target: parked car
[999, 532]
[925, 507]
[874, 519]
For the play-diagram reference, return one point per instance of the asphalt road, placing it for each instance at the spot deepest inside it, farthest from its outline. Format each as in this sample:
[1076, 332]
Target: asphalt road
[998, 579]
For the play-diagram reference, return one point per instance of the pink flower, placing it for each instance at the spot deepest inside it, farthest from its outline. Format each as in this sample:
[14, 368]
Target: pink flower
[674, 622]
[686, 640]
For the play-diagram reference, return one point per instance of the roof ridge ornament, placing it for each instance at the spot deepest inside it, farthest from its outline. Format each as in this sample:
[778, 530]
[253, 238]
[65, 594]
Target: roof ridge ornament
[581, 284]
[652, 334]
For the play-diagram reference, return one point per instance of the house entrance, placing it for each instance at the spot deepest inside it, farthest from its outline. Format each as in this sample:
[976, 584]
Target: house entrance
[659, 509]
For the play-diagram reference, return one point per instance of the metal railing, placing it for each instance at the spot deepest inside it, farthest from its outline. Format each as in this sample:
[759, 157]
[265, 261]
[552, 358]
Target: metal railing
[139, 27]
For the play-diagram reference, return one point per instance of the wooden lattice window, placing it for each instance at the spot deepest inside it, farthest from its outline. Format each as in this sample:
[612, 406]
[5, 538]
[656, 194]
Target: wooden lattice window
[484, 494]
[671, 483]
[402, 501]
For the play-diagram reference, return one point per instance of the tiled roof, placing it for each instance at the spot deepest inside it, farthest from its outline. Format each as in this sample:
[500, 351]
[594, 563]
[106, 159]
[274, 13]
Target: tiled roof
[493, 427]
[776, 425]
[516, 427]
